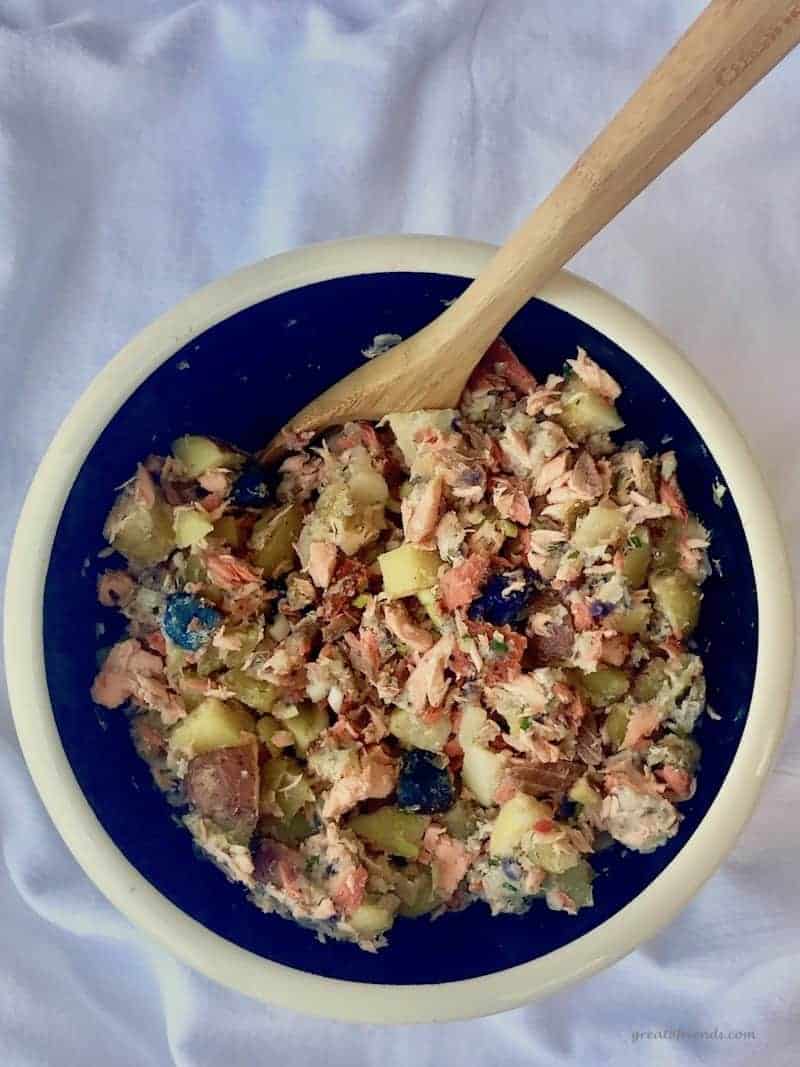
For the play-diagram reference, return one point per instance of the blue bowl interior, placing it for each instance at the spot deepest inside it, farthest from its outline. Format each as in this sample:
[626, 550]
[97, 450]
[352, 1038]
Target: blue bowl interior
[240, 381]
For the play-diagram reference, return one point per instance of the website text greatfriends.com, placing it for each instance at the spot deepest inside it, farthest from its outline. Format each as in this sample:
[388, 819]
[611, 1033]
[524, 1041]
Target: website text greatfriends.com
[677, 1034]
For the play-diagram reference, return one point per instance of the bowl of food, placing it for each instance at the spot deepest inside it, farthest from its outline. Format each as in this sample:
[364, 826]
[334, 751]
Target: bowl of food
[439, 714]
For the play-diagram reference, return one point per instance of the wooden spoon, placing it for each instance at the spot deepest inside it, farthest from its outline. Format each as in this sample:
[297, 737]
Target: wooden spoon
[722, 55]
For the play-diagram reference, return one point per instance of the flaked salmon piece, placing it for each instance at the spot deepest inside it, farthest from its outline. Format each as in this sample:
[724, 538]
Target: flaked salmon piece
[544, 400]
[155, 694]
[343, 730]
[454, 753]
[461, 584]
[669, 493]
[277, 864]
[501, 362]
[680, 782]
[581, 612]
[644, 720]
[551, 473]
[588, 742]
[376, 778]
[587, 650]
[215, 481]
[156, 642]
[321, 563]
[449, 865]
[228, 571]
[365, 652]
[511, 501]
[615, 649]
[115, 589]
[450, 535]
[515, 451]
[400, 625]
[594, 377]
[427, 684]
[505, 791]
[123, 666]
[645, 510]
[586, 481]
[144, 488]
[347, 889]
[421, 511]
[301, 475]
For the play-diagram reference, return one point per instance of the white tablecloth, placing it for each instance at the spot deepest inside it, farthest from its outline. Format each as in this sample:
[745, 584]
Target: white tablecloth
[148, 147]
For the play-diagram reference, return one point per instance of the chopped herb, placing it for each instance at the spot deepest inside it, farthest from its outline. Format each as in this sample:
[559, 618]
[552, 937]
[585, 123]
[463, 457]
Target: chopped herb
[525, 722]
[494, 861]
[511, 888]
[573, 554]
[311, 863]
[360, 601]
[498, 646]
[635, 541]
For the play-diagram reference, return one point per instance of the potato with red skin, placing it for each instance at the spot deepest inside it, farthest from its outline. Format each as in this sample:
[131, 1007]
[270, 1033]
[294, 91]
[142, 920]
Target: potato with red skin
[222, 785]
[554, 647]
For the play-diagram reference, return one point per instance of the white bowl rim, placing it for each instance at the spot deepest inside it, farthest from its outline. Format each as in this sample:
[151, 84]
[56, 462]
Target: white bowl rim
[239, 968]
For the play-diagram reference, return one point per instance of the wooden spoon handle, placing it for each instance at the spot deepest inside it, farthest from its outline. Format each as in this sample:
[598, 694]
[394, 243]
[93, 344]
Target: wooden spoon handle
[729, 48]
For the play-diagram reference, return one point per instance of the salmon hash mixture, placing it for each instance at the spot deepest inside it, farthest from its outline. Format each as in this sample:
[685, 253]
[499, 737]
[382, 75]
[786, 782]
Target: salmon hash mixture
[430, 661]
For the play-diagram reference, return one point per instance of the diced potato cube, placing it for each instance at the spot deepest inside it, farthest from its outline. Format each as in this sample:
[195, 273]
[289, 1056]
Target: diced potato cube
[192, 695]
[142, 535]
[371, 919]
[617, 722]
[407, 570]
[211, 659]
[419, 898]
[636, 557]
[460, 820]
[307, 725]
[514, 821]
[273, 538]
[585, 412]
[190, 526]
[601, 525]
[283, 783]
[665, 540]
[288, 831]
[411, 731]
[254, 692]
[248, 636]
[212, 724]
[649, 683]
[604, 686]
[265, 728]
[575, 882]
[585, 794]
[482, 770]
[390, 830]
[678, 599]
[552, 858]
[368, 486]
[634, 620]
[199, 454]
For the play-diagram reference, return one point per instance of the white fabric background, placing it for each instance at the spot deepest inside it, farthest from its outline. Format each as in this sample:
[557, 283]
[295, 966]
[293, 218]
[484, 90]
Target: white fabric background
[148, 146]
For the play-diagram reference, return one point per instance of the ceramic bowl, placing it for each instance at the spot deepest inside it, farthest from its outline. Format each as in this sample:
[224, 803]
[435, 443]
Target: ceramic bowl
[236, 360]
